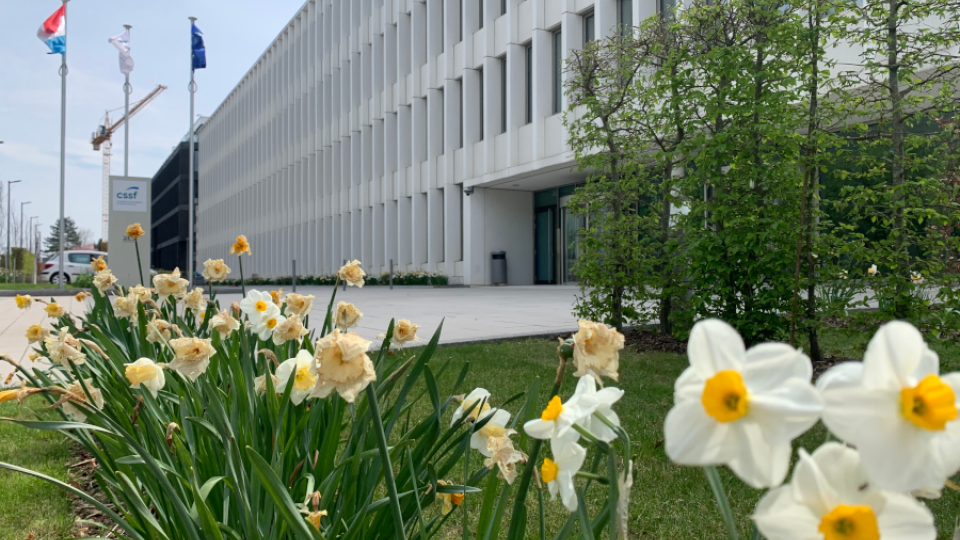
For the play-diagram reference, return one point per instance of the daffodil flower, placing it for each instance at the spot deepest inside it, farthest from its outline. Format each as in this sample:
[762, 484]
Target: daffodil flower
[557, 420]
[303, 379]
[603, 401]
[264, 329]
[475, 403]
[258, 306]
[831, 497]
[449, 499]
[559, 472]
[897, 409]
[147, 373]
[740, 408]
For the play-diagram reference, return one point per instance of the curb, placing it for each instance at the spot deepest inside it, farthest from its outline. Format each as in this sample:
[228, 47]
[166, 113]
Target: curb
[41, 293]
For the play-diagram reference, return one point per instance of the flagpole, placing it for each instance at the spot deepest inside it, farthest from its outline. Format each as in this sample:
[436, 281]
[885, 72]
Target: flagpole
[63, 149]
[190, 151]
[127, 90]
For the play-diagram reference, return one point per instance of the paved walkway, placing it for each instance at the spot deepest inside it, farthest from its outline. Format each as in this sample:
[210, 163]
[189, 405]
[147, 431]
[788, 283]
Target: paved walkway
[469, 313]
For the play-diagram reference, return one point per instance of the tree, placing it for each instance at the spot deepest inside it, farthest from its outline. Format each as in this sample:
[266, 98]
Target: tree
[86, 236]
[72, 238]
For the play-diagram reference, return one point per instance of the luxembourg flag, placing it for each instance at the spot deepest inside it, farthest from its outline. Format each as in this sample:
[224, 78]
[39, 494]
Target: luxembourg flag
[53, 32]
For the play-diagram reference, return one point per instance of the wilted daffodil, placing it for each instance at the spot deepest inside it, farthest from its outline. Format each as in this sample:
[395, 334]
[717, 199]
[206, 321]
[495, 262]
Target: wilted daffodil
[24, 301]
[558, 473]
[449, 499]
[54, 310]
[832, 497]
[298, 304]
[260, 384]
[740, 408]
[147, 373]
[897, 409]
[74, 395]
[258, 306]
[159, 331]
[104, 280]
[346, 316]
[134, 231]
[341, 363]
[125, 307]
[352, 274]
[37, 333]
[191, 356]
[290, 329]
[277, 297]
[596, 350]
[142, 293]
[170, 284]
[476, 408]
[504, 456]
[303, 378]
[64, 348]
[215, 270]
[82, 295]
[98, 265]
[241, 246]
[195, 301]
[404, 332]
[224, 323]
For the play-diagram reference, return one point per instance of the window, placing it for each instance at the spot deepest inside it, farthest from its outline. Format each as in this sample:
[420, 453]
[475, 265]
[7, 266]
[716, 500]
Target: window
[589, 28]
[480, 72]
[503, 94]
[79, 258]
[667, 7]
[503, 7]
[626, 16]
[480, 7]
[529, 82]
[461, 114]
[557, 72]
[460, 16]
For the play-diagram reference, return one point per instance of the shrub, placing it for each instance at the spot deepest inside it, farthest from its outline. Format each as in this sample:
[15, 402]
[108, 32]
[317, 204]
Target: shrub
[199, 430]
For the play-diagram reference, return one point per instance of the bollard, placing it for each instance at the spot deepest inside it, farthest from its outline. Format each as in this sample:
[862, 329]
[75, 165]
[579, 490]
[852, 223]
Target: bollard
[294, 274]
[391, 274]
[344, 282]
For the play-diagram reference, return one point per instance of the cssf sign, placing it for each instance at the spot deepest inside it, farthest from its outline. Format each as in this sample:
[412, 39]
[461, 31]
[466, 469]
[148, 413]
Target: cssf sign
[129, 196]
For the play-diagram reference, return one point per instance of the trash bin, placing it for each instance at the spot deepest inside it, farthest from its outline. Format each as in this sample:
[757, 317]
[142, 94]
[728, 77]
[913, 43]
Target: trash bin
[498, 267]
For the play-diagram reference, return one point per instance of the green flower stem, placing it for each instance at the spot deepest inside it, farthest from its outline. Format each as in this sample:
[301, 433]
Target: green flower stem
[136, 247]
[592, 476]
[243, 287]
[713, 476]
[385, 458]
[591, 437]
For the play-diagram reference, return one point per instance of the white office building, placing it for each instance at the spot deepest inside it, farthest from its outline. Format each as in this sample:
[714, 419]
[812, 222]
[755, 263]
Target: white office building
[426, 132]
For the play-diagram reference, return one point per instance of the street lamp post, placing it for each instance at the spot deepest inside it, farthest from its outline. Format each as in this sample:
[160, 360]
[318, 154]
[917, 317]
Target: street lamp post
[9, 183]
[36, 235]
[21, 222]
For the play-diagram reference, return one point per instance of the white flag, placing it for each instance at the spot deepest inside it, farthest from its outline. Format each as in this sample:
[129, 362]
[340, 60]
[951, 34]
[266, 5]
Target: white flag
[122, 43]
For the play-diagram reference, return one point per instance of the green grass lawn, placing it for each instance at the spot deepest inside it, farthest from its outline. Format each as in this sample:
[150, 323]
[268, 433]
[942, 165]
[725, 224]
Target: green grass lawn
[668, 501]
[29, 505]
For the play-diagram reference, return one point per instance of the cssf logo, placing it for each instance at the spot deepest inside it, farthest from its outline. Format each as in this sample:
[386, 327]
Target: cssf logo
[129, 194]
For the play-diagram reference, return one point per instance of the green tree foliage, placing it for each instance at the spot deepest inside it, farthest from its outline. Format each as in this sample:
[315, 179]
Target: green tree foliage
[71, 236]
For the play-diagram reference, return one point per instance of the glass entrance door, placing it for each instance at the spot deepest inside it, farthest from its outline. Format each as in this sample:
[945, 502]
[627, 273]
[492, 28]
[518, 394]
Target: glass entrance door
[570, 227]
[545, 255]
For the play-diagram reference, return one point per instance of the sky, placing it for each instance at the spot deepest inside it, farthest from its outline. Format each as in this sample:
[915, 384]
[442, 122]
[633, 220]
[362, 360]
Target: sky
[235, 33]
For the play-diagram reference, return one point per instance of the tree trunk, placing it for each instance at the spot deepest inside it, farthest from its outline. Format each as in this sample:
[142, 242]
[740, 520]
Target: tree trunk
[666, 271]
[896, 141]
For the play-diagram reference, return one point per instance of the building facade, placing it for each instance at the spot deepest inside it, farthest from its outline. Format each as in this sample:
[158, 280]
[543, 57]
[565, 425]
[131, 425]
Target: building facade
[170, 209]
[426, 132]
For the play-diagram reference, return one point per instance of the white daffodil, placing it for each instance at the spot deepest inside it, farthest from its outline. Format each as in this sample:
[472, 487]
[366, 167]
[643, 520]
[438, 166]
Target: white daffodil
[897, 409]
[475, 403]
[831, 497]
[147, 373]
[258, 305]
[603, 402]
[557, 420]
[303, 379]
[740, 408]
[264, 328]
[495, 426]
[559, 472]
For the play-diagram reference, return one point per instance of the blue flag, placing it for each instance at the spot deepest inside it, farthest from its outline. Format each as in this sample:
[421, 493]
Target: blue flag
[199, 51]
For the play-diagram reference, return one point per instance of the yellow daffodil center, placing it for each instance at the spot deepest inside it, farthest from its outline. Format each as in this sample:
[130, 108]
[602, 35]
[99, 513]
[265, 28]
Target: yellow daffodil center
[271, 323]
[139, 374]
[491, 430]
[304, 380]
[930, 404]
[553, 410]
[850, 523]
[456, 498]
[475, 410]
[725, 396]
[548, 470]
[260, 306]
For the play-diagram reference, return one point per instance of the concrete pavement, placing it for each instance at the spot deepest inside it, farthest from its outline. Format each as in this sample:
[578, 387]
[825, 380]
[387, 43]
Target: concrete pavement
[469, 313]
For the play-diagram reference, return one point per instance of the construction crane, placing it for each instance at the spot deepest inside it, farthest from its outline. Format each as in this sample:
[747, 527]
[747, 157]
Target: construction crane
[101, 138]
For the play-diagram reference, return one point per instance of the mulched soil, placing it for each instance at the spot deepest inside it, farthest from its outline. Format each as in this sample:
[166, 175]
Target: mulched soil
[82, 474]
